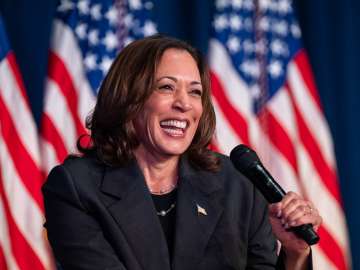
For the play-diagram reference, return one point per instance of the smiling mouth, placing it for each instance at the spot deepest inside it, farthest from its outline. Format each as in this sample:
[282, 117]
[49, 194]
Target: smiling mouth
[174, 127]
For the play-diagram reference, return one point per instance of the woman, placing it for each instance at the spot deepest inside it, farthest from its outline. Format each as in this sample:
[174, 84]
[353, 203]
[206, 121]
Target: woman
[147, 194]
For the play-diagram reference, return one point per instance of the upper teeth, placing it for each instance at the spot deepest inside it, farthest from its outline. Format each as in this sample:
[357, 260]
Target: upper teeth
[174, 123]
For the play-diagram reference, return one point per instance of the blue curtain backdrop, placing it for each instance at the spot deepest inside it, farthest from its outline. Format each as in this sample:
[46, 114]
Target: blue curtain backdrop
[331, 36]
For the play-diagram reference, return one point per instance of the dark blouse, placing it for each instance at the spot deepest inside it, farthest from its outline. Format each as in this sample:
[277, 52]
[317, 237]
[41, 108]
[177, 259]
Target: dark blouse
[167, 203]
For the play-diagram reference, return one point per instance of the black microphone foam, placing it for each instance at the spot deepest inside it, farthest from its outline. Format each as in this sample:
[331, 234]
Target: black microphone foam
[248, 163]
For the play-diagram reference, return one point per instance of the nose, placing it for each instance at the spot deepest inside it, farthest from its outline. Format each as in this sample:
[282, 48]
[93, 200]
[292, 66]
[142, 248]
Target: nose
[182, 100]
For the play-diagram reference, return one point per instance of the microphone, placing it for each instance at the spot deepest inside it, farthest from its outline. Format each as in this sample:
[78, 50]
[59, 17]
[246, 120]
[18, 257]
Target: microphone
[248, 163]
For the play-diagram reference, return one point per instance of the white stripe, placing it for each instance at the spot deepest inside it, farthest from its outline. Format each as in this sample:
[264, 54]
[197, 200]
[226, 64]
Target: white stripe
[333, 215]
[64, 44]
[19, 110]
[234, 88]
[334, 220]
[313, 117]
[320, 260]
[48, 154]
[5, 243]
[25, 211]
[56, 108]
[226, 138]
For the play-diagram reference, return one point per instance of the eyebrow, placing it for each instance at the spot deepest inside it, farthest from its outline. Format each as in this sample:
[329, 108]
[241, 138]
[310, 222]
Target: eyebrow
[175, 80]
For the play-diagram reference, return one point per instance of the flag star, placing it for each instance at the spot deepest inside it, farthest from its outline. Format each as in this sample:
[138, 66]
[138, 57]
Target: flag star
[149, 5]
[264, 23]
[221, 4]
[235, 22]
[110, 41]
[278, 47]
[81, 30]
[255, 92]
[65, 6]
[220, 22]
[149, 28]
[284, 6]
[135, 4]
[280, 27]
[129, 20]
[93, 37]
[275, 69]
[90, 61]
[248, 4]
[264, 4]
[105, 64]
[95, 12]
[237, 4]
[112, 16]
[295, 30]
[251, 68]
[83, 6]
[233, 44]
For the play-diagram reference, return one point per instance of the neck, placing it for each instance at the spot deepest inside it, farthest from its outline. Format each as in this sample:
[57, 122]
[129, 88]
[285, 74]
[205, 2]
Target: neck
[161, 173]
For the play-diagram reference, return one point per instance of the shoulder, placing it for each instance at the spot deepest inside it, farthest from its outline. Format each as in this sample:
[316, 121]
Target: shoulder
[75, 171]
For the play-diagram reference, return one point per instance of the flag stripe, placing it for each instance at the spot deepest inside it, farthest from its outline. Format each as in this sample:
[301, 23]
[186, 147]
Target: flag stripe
[25, 256]
[51, 135]
[304, 67]
[331, 249]
[60, 75]
[16, 104]
[24, 163]
[326, 173]
[236, 121]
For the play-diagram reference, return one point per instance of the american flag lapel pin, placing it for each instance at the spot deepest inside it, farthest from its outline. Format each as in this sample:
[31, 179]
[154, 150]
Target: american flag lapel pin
[201, 210]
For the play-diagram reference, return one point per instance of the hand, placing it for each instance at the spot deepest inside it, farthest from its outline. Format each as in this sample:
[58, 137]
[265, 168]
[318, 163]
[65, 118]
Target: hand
[293, 211]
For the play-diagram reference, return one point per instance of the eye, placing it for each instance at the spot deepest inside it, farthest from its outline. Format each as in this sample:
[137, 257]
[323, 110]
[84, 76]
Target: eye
[166, 87]
[196, 92]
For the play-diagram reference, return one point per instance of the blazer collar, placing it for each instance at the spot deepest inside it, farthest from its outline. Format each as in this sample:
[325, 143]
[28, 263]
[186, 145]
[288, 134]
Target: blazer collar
[197, 212]
[199, 207]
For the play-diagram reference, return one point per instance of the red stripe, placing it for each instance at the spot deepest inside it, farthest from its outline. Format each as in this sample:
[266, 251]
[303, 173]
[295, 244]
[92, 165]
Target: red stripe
[59, 73]
[279, 138]
[304, 68]
[331, 249]
[25, 257]
[16, 73]
[237, 122]
[326, 173]
[51, 135]
[25, 166]
[2, 256]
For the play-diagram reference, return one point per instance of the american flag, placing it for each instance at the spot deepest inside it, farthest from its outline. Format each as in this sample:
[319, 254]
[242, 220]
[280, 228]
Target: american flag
[87, 35]
[265, 97]
[22, 239]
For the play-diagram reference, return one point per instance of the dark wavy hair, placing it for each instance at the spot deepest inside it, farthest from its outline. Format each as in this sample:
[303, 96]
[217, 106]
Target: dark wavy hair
[125, 89]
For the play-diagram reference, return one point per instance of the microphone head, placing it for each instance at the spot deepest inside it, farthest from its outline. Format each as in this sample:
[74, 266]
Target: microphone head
[243, 157]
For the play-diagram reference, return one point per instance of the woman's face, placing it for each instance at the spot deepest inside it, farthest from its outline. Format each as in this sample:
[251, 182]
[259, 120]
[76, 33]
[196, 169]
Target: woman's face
[167, 124]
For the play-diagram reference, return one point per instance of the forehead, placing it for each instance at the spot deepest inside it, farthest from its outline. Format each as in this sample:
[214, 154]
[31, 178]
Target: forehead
[177, 61]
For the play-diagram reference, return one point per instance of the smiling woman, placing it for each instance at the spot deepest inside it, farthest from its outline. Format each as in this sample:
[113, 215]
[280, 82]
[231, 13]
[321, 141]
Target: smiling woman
[147, 193]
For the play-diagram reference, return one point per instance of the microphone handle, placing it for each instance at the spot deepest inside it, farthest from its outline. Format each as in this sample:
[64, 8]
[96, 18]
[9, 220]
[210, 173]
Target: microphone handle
[274, 193]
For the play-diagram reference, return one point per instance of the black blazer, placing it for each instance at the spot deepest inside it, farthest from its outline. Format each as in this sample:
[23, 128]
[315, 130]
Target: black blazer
[99, 217]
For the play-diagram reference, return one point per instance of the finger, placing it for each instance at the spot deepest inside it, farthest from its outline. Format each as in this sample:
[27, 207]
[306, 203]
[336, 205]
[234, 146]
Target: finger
[288, 198]
[295, 207]
[312, 218]
[275, 209]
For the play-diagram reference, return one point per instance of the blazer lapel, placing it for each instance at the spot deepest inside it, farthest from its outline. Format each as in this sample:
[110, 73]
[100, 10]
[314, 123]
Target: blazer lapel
[198, 211]
[135, 214]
